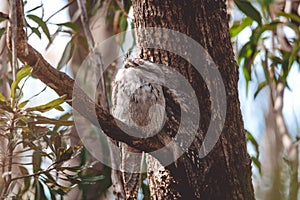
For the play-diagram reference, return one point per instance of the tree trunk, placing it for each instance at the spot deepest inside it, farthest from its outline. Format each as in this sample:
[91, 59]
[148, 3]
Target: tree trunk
[225, 173]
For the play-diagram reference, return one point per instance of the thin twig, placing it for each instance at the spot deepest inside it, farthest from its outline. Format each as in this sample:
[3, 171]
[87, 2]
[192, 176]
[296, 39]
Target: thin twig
[96, 59]
[85, 23]
[17, 163]
[8, 179]
[64, 7]
[34, 174]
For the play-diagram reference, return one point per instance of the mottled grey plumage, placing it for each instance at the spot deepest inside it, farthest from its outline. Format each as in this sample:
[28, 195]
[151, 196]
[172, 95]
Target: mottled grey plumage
[138, 101]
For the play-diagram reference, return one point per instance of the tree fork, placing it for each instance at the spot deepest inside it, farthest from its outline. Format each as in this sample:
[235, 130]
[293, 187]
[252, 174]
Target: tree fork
[62, 84]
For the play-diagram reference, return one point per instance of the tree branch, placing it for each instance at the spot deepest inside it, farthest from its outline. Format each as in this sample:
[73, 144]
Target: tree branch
[13, 23]
[3, 15]
[62, 84]
[85, 24]
[34, 174]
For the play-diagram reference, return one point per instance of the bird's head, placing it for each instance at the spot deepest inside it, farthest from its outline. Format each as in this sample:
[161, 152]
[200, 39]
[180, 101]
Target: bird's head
[146, 70]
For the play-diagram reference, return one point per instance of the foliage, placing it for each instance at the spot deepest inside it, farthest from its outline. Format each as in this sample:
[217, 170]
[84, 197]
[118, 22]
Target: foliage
[265, 42]
[39, 153]
[274, 47]
[34, 149]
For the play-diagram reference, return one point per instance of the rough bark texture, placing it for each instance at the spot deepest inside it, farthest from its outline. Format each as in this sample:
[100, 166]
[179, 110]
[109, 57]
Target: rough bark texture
[226, 172]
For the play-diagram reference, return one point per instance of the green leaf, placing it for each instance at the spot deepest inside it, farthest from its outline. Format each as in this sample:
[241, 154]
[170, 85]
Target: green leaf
[251, 139]
[2, 98]
[55, 187]
[56, 141]
[249, 10]
[80, 168]
[127, 4]
[64, 154]
[293, 17]
[25, 71]
[123, 23]
[40, 190]
[70, 25]
[45, 120]
[42, 24]
[271, 26]
[276, 60]
[35, 8]
[246, 74]
[59, 108]
[260, 86]
[256, 35]
[36, 31]
[240, 26]
[48, 106]
[2, 19]
[25, 172]
[66, 56]
[2, 30]
[49, 143]
[245, 52]
[93, 179]
[257, 163]
[36, 161]
[247, 78]
[24, 103]
[265, 3]
[265, 66]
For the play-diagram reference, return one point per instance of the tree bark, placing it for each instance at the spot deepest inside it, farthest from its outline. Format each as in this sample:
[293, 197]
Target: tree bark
[225, 173]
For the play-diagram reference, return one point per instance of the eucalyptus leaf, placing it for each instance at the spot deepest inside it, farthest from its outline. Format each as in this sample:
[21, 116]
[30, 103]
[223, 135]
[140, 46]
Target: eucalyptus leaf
[36, 31]
[70, 25]
[2, 30]
[240, 26]
[35, 8]
[24, 172]
[45, 120]
[25, 71]
[93, 178]
[291, 16]
[257, 163]
[260, 86]
[48, 106]
[42, 24]
[67, 54]
[249, 10]
[253, 141]
[23, 104]
[2, 98]
[36, 161]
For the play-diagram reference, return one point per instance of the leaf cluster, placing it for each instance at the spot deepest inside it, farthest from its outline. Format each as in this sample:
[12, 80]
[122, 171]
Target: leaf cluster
[266, 45]
[36, 147]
